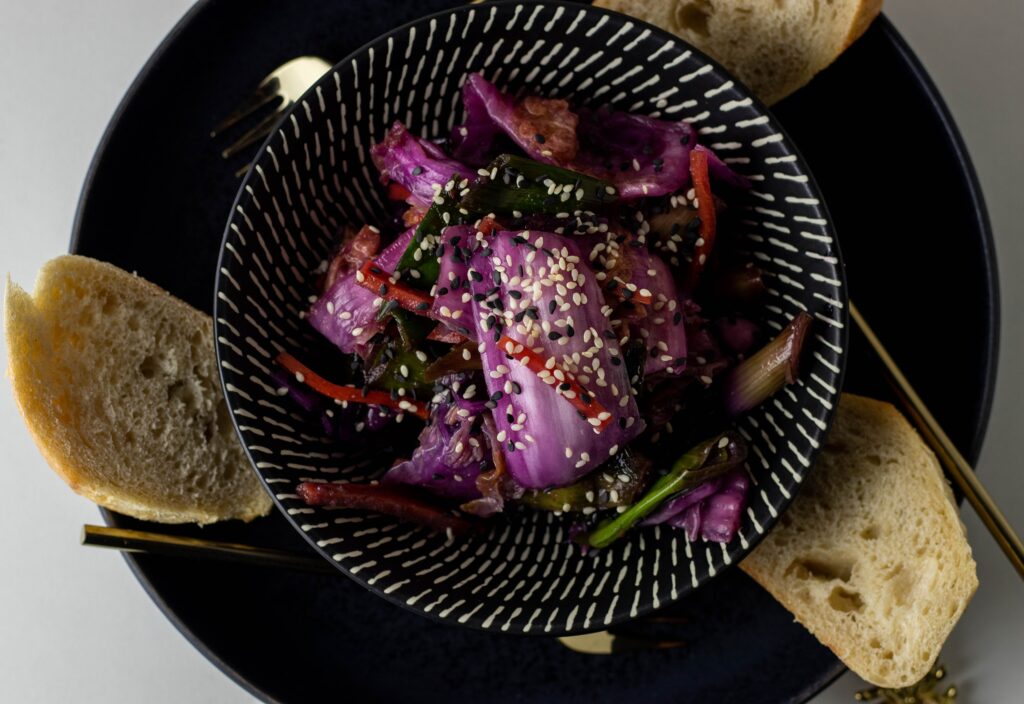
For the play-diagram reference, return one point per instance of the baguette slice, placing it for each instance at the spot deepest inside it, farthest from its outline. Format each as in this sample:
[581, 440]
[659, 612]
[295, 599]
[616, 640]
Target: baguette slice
[117, 382]
[871, 556]
[773, 46]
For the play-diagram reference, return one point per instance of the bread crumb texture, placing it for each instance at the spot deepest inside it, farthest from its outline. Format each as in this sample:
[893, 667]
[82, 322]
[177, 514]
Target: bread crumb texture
[118, 384]
[872, 556]
[773, 46]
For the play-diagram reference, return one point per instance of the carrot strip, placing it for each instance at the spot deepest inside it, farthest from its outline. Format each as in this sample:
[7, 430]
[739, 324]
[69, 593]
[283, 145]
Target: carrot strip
[706, 212]
[349, 393]
[374, 278]
[563, 382]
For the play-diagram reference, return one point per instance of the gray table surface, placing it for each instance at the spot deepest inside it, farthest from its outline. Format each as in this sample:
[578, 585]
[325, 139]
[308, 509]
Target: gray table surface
[74, 624]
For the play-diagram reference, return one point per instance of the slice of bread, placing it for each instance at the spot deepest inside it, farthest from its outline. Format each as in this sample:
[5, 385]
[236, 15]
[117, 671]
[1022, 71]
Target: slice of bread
[773, 46]
[118, 384]
[871, 556]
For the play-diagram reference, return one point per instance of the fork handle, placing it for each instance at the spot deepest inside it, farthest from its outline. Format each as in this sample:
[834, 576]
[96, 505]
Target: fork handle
[954, 463]
[138, 541]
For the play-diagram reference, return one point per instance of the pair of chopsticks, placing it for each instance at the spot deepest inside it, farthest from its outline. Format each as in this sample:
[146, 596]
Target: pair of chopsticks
[958, 469]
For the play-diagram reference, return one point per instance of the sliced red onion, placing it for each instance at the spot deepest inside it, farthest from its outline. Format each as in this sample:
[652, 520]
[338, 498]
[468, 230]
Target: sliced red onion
[664, 331]
[346, 314]
[419, 165]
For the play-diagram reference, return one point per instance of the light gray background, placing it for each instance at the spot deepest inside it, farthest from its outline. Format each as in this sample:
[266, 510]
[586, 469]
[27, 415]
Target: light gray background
[74, 624]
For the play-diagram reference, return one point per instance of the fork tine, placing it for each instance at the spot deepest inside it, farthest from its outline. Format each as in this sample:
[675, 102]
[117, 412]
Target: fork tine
[255, 134]
[265, 93]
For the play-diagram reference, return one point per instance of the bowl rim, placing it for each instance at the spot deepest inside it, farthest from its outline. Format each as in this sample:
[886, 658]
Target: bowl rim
[243, 196]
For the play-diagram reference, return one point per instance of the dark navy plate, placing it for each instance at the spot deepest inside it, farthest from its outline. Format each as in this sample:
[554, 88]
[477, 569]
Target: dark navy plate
[884, 151]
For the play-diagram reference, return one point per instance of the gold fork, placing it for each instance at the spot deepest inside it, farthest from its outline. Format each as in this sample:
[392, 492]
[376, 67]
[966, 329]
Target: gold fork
[281, 88]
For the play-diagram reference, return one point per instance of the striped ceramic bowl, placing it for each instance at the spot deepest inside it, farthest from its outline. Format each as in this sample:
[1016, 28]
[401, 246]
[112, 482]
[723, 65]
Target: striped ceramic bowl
[314, 174]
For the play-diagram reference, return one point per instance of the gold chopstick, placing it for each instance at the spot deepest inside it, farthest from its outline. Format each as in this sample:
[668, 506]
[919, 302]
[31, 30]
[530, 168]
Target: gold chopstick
[177, 546]
[956, 466]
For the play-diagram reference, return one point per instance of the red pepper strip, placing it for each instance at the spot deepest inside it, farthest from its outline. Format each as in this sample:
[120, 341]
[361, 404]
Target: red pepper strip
[382, 499]
[487, 226]
[377, 280]
[706, 212]
[582, 400]
[349, 393]
[633, 295]
[397, 191]
[443, 333]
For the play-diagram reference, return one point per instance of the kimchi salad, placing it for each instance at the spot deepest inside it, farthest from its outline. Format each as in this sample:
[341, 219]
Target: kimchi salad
[560, 311]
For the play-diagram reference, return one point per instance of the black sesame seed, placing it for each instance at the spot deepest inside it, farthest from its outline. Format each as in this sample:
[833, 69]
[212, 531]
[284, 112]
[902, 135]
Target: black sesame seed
[456, 281]
[586, 398]
[539, 137]
[685, 139]
[677, 318]
[551, 306]
[417, 170]
[532, 313]
[478, 297]
[609, 334]
[476, 275]
[516, 388]
[554, 335]
[616, 361]
[565, 386]
[622, 422]
[569, 331]
[510, 418]
[423, 306]
[496, 396]
[442, 291]
[497, 334]
[383, 289]
[515, 294]
[496, 277]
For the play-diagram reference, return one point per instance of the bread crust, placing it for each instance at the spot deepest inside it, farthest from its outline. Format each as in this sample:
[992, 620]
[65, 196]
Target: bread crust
[757, 44]
[37, 337]
[848, 560]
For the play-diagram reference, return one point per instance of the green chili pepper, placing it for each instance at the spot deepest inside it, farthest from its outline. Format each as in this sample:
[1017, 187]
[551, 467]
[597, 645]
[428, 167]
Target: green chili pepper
[615, 483]
[708, 460]
[529, 187]
[422, 272]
